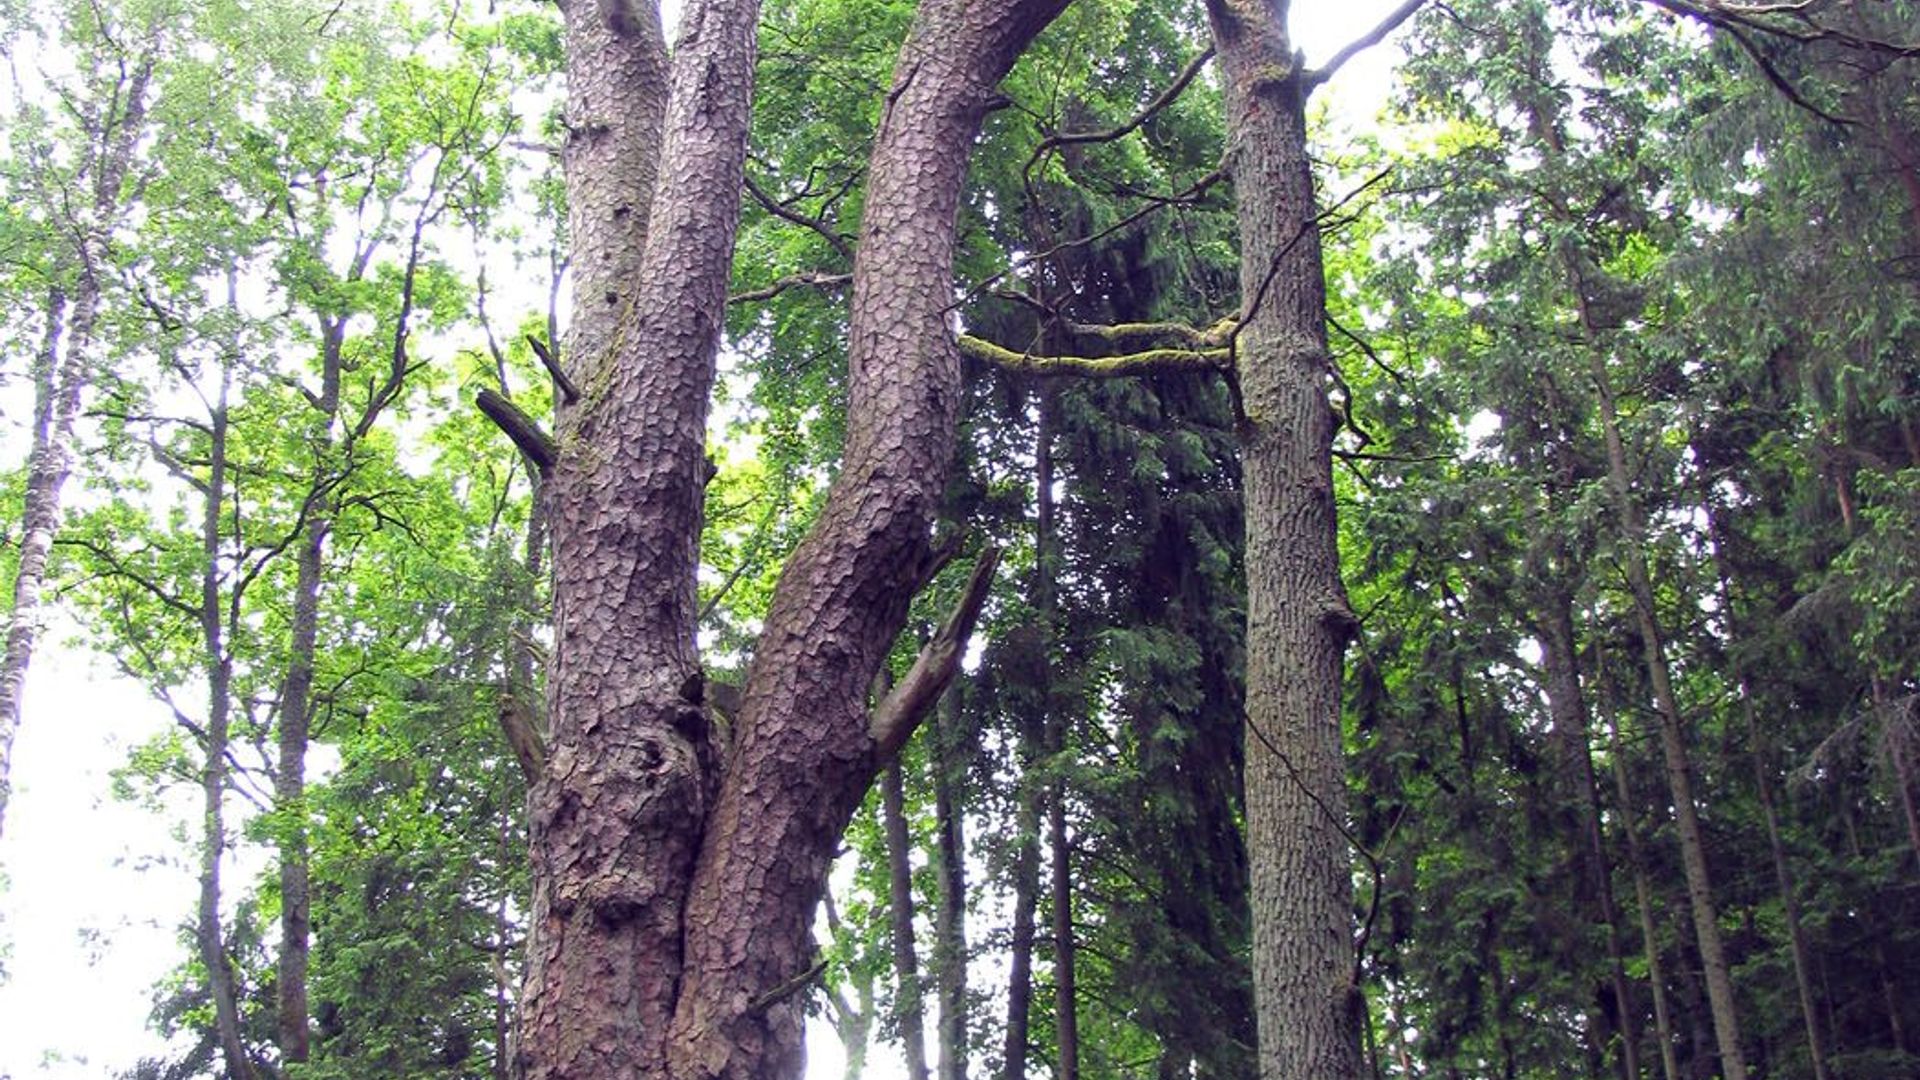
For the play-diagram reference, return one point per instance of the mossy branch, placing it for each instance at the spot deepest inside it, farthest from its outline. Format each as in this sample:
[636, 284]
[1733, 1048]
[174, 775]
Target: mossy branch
[1144, 362]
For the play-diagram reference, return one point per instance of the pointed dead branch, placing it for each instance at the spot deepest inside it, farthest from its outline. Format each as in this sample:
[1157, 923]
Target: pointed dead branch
[569, 393]
[529, 749]
[903, 708]
[535, 445]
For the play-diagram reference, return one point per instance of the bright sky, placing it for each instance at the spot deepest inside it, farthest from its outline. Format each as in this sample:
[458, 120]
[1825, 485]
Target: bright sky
[96, 890]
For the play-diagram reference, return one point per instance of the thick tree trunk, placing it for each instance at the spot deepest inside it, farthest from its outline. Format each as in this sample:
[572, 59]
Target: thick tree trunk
[1693, 850]
[906, 962]
[949, 961]
[675, 880]
[1298, 621]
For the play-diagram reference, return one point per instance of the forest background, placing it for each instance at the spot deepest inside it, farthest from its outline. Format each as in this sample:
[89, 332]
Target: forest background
[1622, 299]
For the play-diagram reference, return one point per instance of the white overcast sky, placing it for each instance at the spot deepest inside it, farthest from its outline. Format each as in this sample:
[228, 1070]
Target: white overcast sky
[93, 892]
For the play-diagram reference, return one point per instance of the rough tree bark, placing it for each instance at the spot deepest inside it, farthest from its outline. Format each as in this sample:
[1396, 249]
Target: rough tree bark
[674, 877]
[1298, 620]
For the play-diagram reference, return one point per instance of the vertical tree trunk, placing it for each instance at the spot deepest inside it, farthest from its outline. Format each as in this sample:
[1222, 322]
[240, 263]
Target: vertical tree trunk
[1568, 706]
[906, 965]
[61, 376]
[1693, 851]
[213, 773]
[1763, 787]
[949, 960]
[1298, 620]
[1026, 892]
[1060, 886]
[289, 790]
[1643, 896]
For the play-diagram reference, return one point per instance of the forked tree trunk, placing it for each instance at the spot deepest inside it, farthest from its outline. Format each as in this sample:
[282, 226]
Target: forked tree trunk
[1298, 620]
[675, 879]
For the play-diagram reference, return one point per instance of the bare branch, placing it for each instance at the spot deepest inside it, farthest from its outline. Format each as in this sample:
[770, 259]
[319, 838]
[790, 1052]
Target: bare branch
[1159, 103]
[1364, 42]
[569, 393]
[534, 444]
[903, 708]
[810, 279]
[789, 214]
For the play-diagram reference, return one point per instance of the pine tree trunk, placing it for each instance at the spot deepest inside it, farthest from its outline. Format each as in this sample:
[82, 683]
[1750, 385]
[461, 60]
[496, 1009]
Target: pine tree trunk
[675, 876]
[1298, 620]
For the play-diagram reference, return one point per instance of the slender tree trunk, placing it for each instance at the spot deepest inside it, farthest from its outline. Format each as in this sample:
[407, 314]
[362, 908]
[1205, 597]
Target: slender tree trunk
[62, 375]
[213, 773]
[289, 789]
[1693, 850]
[1763, 787]
[949, 960]
[1568, 705]
[1060, 887]
[1643, 896]
[1026, 892]
[675, 877]
[906, 965]
[1298, 620]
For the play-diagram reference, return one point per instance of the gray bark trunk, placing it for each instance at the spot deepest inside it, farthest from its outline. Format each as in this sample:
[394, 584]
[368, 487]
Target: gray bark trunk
[1298, 621]
[60, 380]
[949, 961]
[213, 773]
[1693, 851]
[906, 963]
